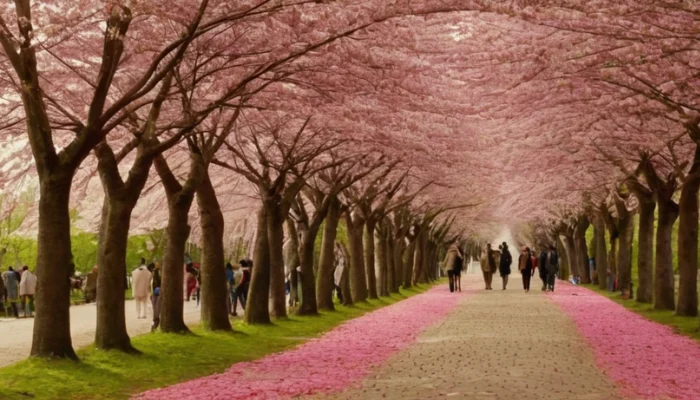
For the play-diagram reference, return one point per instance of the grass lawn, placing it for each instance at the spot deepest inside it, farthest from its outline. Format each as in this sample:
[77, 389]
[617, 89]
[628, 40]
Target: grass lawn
[168, 358]
[687, 326]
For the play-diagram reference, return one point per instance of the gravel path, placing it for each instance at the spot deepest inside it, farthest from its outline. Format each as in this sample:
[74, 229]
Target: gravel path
[16, 334]
[495, 345]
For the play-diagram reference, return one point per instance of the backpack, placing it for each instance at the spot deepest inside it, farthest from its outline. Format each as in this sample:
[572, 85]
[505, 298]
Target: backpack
[459, 263]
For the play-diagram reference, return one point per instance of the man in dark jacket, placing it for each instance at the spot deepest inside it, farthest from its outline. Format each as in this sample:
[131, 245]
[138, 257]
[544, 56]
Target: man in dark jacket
[543, 268]
[552, 267]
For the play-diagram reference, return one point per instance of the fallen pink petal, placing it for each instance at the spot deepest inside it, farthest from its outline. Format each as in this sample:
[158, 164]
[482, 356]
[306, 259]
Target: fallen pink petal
[334, 361]
[645, 358]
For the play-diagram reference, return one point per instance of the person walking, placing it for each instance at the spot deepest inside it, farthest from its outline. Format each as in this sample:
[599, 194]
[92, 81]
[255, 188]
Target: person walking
[155, 295]
[525, 267]
[141, 288]
[543, 268]
[338, 272]
[91, 285]
[11, 282]
[451, 259]
[27, 290]
[504, 266]
[552, 267]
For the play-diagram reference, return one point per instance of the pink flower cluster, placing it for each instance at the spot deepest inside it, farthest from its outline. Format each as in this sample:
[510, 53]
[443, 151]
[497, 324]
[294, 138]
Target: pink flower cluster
[330, 363]
[645, 358]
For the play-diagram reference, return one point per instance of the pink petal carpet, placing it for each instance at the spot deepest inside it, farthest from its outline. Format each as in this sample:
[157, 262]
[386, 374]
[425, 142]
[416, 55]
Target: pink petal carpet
[645, 358]
[334, 361]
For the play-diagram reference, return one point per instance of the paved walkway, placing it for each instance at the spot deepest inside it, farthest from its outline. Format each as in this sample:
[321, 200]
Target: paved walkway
[495, 345]
[16, 334]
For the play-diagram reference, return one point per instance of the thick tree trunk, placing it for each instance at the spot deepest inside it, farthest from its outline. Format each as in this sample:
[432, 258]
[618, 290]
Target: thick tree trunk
[601, 253]
[581, 249]
[368, 240]
[178, 230]
[276, 216]
[358, 281]
[688, 248]
[256, 310]
[568, 241]
[410, 254]
[564, 260]
[291, 262]
[381, 261]
[324, 281]
[308, 304]
[54, 267]
[664, 287]
[624, 253]
[214, 312]
[391, 265]
[645, 257]
[345, 280]
[110, 330]
[399, 248]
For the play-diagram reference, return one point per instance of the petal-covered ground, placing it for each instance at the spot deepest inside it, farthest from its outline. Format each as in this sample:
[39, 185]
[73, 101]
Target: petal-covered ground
[330, 363]
[645, 358]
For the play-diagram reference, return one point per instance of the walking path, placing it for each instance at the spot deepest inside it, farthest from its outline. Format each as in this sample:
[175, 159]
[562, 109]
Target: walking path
[16, 334]
[495, 345]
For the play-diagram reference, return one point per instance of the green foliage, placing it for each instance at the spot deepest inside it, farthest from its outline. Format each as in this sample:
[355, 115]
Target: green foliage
[168, 358]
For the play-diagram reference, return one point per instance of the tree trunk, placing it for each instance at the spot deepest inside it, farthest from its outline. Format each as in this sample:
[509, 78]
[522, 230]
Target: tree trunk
[110, 330]
[308, 304]
[565, 260]
[571, 253]
[368, 240]
[391, 264]
[54, 267]
[178, 231]
[214, 312]
[624, 253]
[291, 262]
[358, 281]
[324, 281]
[410, 253]
[399, 248]
[381, 261]
[581, 249]
[345, 280]
[645, 257]
[601, 253]
[256, 310]
[664, 288]
[276, 216]
[688, 248]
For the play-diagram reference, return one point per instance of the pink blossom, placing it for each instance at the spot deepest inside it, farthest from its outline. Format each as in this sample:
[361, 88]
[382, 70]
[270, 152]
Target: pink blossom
[336, 360]
[645, 358]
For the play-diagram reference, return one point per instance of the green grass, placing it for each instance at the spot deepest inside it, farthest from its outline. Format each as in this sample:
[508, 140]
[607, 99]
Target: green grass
[687, 326]
[168, 358]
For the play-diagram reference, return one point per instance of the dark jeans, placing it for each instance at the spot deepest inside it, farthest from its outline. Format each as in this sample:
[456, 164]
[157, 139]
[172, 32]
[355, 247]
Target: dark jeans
[236, 296]
[543, 277]
[527, 276]
[551, 278]
[155, 301]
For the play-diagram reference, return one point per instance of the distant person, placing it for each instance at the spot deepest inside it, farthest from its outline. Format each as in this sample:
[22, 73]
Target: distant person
[238, 293]
[552, 267]
[190, 281]
[543, 268]
[487, 266]
[451, 260]
[156, 280]
[591, 270]
[525, 266]
[141, 288]
[11, 282]
[91, 285]
[247, 276]
[229, 287]
[504, 266]
[339, 269]
[27, 290]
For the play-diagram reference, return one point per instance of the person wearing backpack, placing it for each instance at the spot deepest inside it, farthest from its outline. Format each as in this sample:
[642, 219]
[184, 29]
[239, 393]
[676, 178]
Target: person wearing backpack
[504, 265]
[450, 262]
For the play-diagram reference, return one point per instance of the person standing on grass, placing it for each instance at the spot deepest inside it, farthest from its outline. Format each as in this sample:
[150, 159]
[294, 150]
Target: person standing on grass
[504, 266]
[552, 267]
[27, 290]
[237, 294]
[12, 287]
[155, 295]
[141, 288]
[525, 266]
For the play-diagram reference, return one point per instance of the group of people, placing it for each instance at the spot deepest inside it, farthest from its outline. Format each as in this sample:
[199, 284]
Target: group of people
[18, 288]
[528, 264]
[454, 263]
